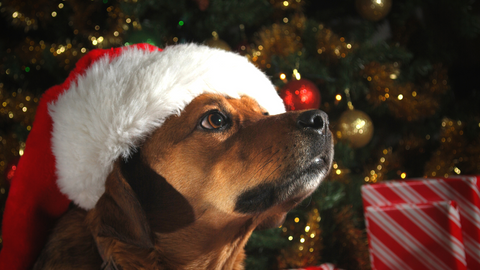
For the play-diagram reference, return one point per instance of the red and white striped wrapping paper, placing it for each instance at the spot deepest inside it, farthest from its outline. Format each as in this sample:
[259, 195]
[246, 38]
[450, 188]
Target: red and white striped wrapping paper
[325, 266]
[415, 236]
[463, 190]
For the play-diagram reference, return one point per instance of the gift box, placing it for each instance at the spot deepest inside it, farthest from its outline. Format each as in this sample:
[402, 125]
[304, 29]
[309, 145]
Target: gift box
[325, 266]
[415, 236]
[463, 190]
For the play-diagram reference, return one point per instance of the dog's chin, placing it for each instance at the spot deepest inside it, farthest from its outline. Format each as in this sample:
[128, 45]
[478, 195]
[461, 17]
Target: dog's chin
[294, 192]
[287, 192]
[278, 218]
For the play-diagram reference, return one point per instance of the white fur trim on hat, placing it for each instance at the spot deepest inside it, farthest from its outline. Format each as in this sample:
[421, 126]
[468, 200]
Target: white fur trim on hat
[117, 102]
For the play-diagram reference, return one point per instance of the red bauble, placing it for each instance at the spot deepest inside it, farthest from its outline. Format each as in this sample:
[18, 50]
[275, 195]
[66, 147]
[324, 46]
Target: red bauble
[300, 95]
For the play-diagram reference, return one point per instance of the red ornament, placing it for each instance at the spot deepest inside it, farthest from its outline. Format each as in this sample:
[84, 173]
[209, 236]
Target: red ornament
[300, 95]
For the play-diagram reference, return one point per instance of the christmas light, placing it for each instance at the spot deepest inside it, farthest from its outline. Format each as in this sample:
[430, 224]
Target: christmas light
[296, 74]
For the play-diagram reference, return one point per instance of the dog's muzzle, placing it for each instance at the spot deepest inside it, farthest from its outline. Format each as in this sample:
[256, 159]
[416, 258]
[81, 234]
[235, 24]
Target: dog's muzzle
[304, 164]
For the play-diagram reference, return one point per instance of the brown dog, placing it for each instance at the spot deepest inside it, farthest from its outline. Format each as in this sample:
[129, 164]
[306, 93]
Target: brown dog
[193, 193]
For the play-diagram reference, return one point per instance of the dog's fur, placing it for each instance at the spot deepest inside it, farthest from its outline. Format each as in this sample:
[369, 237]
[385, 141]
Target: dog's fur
[190, 197]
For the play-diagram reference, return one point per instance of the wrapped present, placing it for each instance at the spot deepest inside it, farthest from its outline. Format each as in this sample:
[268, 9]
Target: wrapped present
[463, 190]
[325, 266]
[415, 236]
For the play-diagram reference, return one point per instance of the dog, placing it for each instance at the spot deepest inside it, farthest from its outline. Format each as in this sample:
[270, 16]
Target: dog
[192, 194]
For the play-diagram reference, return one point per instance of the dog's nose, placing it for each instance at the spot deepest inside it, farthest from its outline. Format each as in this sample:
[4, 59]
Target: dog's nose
[314, 119]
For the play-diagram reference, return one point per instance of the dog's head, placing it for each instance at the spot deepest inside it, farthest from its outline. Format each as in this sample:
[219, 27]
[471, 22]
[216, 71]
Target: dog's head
[206, 155]
[228, 157]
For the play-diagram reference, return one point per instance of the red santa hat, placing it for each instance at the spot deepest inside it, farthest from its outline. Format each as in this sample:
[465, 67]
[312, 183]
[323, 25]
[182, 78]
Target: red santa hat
[109, 103]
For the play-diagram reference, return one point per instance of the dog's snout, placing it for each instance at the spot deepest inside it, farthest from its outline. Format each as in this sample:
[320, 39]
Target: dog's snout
[314, 119]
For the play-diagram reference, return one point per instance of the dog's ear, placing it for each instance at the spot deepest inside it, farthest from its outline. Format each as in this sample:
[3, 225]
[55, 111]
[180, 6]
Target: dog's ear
[137, 202]
[119, 215]
[166, 209]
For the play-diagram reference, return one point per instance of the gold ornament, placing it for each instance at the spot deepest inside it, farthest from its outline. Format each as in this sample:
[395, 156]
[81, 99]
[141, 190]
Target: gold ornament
[373, 10]
[216, 42]
[355, 127]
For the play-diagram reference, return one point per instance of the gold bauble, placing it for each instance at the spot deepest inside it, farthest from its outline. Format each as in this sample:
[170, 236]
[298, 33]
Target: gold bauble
[355, 127]
[215, 42]
[373, 10]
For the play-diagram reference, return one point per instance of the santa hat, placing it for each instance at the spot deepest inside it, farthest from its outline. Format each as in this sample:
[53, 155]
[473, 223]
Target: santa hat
[109, 103]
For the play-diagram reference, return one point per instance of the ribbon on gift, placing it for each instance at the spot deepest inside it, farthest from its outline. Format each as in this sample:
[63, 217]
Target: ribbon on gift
[415, 236]
[463, 190]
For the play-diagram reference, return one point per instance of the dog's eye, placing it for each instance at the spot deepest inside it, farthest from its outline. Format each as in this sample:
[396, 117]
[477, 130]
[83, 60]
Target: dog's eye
[214, 120]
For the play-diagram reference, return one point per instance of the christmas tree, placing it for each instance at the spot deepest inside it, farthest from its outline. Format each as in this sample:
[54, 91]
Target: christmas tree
[397, 79]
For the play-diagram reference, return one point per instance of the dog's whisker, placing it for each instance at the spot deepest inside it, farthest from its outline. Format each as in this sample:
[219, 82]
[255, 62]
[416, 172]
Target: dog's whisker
[278, 167]
[264, 165]
[309, 202]
[269, 160]
[261, 152]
